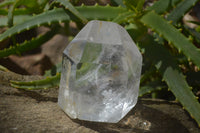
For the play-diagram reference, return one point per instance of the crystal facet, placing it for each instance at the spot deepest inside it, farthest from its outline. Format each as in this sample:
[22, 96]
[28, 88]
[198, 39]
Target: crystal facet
[100, 73]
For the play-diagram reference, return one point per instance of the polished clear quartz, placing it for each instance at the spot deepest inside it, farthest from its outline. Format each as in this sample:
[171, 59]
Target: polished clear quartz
[100, 73]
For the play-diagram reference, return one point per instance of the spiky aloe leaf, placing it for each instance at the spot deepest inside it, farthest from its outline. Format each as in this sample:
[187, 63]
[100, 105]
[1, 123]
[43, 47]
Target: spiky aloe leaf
[134, 5]
[124, 17]
[55, 15]
[171, 34]
[16, 20]
[31, 5]
[150, 87]
[175, 80]
[193, 32]
[21, 11]
[52, 80]
[162, 6]
[3, 21]
[183, 92]
[167, 66]
[180, 10]
[72, 9]
[34, 6]
[37, 84]
[140, 4]
[10, 13]
[130, 4]
[27, 45]
[59, 15]
[100, 12]
[89, 12]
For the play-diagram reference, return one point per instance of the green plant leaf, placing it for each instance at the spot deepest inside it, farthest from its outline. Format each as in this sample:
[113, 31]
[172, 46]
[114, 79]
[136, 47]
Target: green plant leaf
[150, 87]
[130, 4]
[16, 20]
[193, 32]
[134, 5]
[17, 11]
[37, 84]
[72, 9]
[100, 12]
[27, 45]
[123, 17]
[180, 10]
[162, 6]
[59, 15]
[140, 5]
[172, 35]
[11, 11]
[55, 15]
[167, 66]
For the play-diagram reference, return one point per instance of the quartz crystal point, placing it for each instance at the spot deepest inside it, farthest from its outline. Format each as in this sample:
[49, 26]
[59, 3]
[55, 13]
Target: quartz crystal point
[100, 76]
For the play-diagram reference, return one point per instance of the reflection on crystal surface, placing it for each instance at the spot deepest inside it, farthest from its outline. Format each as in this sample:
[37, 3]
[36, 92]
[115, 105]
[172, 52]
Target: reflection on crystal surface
[100, 74]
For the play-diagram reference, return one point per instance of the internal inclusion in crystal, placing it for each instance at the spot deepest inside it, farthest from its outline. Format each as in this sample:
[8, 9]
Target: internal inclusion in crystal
[99, 82]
